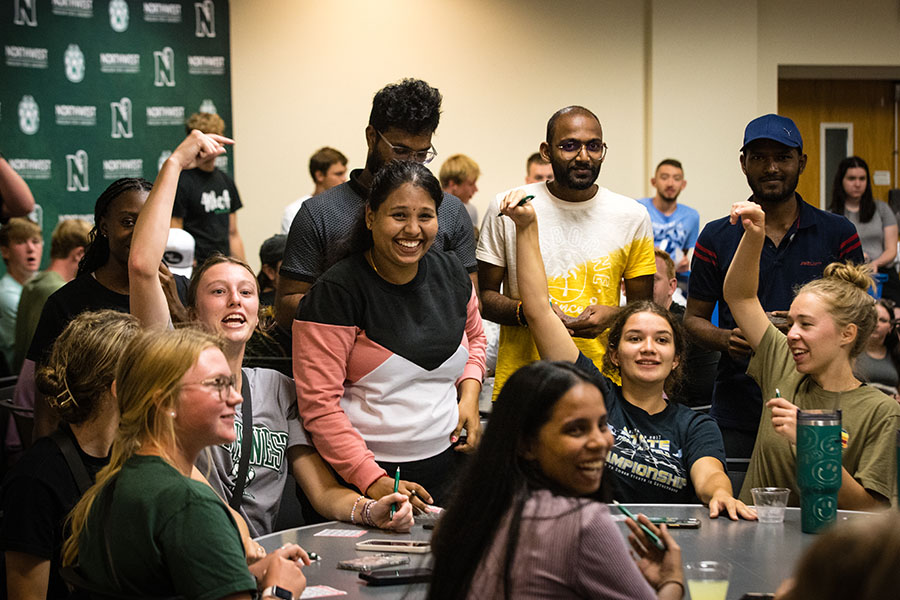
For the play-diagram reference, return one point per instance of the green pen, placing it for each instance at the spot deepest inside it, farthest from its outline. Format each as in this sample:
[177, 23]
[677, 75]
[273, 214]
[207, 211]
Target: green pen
[653, 538]
[396, 489]
[519, 203]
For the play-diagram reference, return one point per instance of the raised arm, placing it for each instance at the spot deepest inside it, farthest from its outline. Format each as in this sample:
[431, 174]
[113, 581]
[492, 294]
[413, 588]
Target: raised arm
[18, 200]
[550, 335]
[151, 231]
[742, 279]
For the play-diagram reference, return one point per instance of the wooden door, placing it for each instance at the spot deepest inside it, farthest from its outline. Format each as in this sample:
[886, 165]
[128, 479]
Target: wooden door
[868, 105]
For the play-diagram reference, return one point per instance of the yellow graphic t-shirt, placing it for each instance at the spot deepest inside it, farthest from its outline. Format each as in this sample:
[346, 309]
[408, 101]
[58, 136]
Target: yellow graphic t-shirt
[588, 248]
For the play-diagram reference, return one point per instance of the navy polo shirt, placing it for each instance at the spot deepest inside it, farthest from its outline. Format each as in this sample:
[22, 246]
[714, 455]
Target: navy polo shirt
[816, 239]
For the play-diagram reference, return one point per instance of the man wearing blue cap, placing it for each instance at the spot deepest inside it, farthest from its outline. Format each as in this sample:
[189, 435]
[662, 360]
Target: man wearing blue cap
[801, 241]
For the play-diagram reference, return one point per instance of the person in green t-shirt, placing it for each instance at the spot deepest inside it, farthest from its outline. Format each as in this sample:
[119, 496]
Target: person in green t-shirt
[811, 367]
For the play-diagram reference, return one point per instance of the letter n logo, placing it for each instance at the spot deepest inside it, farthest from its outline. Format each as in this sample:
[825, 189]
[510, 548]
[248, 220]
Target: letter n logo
[25, 13]
[77, 172]
[206, 19]
[164, 61]
[121, 118]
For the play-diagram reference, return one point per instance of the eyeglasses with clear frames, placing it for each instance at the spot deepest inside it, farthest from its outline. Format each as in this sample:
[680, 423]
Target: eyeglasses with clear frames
[219, 384]
[404, 153]
[572, 148]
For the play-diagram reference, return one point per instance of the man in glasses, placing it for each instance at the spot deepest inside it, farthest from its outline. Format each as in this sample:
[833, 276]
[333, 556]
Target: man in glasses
[403, 119]
[591, 239]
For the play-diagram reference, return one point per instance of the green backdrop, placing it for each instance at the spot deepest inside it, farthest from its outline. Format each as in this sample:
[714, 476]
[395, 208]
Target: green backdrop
[94, 90]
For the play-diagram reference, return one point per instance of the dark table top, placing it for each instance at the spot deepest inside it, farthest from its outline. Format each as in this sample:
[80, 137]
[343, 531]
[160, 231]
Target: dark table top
[761, 555]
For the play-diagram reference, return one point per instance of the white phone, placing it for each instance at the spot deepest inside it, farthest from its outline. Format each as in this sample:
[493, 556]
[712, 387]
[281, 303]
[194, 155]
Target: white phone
[406, 546]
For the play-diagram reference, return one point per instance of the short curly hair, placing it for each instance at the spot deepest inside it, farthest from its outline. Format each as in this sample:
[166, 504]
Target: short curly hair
[411, 105]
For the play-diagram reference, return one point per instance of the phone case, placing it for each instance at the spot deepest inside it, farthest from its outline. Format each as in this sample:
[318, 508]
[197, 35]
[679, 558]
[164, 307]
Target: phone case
[397, 576]
[676, 523]
[405, 546]
[372, 562]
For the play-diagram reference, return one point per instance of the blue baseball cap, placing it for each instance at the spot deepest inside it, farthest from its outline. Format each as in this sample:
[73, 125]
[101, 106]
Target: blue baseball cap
[773, 127]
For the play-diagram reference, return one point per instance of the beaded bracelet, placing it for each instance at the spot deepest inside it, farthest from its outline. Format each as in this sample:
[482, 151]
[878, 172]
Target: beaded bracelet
[353, 510]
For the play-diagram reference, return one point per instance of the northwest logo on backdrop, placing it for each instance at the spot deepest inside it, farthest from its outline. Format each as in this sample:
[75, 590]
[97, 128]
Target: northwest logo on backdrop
[164, 62]
[162, 12]
[116, 168]
[206, 65]
[71, 114]
[205, 16]
[118, 15]
[74, 59]
[117, 62]
[165, 115]
[207, 106]
[25, 12]
[121, 119]
[23, 56]
[29, 115]
[77, 172]
[73, 8]
[32, 168]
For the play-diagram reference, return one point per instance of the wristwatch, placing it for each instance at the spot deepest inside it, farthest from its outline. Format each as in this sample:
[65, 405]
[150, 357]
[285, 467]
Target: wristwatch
[274, 591]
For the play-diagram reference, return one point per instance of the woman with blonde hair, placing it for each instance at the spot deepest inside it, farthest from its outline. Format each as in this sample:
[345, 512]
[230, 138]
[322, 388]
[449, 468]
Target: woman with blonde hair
[223, 298]
[811, 367]
[145, 528]
[47, 482]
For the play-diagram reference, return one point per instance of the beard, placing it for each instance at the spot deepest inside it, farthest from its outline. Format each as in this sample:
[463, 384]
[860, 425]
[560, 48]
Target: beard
[786, 191]
[564, 174]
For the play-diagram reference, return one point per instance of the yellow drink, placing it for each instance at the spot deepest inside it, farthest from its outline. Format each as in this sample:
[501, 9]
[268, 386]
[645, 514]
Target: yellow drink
[708, 590]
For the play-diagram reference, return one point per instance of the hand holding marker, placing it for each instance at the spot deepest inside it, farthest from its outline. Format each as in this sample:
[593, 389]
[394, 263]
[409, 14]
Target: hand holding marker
[519, 203]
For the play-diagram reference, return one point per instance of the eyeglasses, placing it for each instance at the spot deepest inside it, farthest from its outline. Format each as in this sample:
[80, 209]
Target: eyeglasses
[572, 148]
[219, 384]
[404, 153]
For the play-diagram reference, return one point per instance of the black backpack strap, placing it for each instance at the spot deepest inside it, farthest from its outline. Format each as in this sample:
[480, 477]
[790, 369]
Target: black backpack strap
[246, 444]
[73, 460]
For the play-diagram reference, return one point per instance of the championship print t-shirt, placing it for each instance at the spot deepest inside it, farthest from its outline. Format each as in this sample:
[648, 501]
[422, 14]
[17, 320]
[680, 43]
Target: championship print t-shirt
[587, 247]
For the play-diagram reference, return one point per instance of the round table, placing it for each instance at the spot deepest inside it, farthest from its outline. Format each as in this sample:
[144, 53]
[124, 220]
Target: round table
[761, 555]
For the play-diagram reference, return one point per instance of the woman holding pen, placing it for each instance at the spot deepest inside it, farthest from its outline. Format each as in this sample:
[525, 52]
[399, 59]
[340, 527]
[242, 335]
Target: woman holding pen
[663, 452]
[811, 367]
[528, 518]
[389, 349]
[223, 298]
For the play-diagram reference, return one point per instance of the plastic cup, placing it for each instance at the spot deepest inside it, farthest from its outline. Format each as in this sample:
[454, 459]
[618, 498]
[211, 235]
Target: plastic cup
[707, 579]
[770, 503]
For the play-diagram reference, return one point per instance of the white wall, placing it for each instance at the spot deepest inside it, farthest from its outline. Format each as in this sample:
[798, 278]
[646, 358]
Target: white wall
[667, 77]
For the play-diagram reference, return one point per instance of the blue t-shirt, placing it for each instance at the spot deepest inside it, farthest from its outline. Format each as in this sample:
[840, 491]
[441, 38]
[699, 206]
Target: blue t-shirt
[653, 454]
[816, 239]
[677, 231]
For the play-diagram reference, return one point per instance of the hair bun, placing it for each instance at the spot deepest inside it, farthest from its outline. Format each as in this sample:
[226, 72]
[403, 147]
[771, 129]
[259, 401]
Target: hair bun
[857, 275]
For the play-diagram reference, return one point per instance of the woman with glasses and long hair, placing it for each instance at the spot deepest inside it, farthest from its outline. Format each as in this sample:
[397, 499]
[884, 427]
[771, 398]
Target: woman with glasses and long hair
[680, 450]
[389, 349]
[851, 196]
[224, 299]
[145, 528]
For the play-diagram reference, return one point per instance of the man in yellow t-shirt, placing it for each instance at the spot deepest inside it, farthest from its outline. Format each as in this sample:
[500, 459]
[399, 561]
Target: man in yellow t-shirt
[591, 239]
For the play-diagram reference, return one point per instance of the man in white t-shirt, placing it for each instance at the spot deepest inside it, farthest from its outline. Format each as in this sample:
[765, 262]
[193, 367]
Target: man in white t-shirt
[591, 239]
[328, 168]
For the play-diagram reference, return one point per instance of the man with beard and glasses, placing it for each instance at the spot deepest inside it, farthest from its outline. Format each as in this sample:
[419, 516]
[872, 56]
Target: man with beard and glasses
[591, 238]
[675, 226]
[326, 228]
[801, 241]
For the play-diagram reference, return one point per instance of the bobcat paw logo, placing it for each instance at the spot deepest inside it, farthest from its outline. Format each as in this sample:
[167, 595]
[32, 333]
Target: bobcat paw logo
[118, 15]
[29, 115]
[74, 59]
[207, 106]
